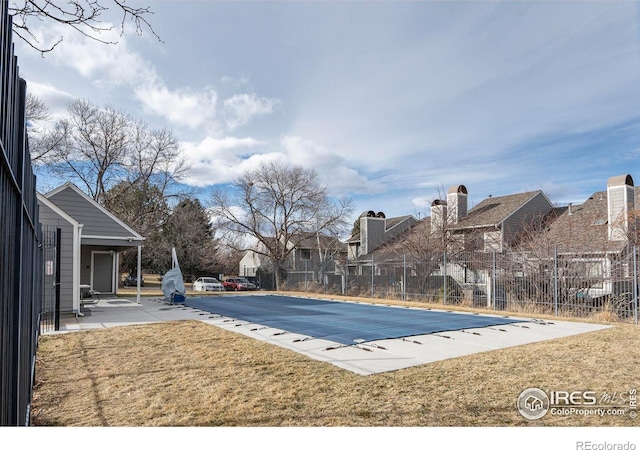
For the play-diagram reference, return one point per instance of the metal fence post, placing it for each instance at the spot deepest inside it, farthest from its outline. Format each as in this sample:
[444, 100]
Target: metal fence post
[493, 279]
[444, 279]
[635, 284]
[372, 288]
[58, 279]
[345, 288]
[305, 274]
[404, 277]
[555, 280]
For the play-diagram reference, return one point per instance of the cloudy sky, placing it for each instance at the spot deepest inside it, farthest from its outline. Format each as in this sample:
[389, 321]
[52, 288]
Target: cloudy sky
[390, 102]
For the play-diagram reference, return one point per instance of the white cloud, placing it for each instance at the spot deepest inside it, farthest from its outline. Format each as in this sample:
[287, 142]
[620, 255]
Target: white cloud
[119, 66]
[105, 65]
[332, 169]
[183, 107]
[234, 82]
[475, 86]
[217, 161]
[240, 109]
[55, 99]
[221, 160]
[488, 94]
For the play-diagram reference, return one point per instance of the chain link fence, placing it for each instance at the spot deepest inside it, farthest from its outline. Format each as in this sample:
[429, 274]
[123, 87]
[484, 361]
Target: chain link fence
[600, 287]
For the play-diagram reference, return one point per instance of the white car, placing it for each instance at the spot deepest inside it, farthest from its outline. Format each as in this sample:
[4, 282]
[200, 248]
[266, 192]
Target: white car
[207, 284]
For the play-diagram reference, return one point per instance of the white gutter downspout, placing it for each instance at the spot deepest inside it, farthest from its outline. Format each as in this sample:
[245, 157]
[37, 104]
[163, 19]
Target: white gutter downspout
[139, 272]
[77, 252]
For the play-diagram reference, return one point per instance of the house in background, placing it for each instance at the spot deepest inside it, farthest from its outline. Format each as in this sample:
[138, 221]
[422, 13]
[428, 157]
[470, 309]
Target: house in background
[374, 231]
[600, 225]
[92, 239]
[303, 264]
[496, 223]
[598, 233]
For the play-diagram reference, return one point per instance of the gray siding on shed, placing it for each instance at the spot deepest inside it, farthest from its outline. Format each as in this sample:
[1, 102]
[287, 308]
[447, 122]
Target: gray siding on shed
[95, 221]
[51, 218]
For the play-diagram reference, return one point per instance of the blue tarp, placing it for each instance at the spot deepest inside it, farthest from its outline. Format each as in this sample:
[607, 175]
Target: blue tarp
[340, 322]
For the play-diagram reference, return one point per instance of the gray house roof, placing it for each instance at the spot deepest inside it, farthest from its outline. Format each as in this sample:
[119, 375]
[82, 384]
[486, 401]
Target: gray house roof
[493, 211]
[389, 224]
[584, 227]
[326, 242]
[100, 227]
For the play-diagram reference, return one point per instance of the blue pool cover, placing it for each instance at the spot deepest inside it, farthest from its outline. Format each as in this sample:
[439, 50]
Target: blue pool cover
[344, 323]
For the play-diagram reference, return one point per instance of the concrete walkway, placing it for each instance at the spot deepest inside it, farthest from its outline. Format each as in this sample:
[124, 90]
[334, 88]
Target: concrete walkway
[364, 359]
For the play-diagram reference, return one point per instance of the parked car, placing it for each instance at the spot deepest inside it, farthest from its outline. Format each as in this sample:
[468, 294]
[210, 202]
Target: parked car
[238, 284]
[254, 280]
[207, 284]
[132, 280]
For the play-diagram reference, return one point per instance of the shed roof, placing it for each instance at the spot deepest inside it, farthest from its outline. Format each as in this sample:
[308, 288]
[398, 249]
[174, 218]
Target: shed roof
[100, 227]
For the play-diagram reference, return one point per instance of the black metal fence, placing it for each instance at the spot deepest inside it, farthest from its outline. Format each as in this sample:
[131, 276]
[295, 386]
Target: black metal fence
[50, 245]
[20, 256]
[599, 286]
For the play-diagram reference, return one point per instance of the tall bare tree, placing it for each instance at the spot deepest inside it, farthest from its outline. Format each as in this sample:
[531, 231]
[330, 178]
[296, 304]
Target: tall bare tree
[83, 16]
[100, 147]
[271, 209]
[43, 140]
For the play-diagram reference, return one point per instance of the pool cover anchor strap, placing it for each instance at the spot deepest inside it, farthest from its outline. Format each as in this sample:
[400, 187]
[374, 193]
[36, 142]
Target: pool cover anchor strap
[475, 333]
[336, 347]
[370, 344]
[541, 322]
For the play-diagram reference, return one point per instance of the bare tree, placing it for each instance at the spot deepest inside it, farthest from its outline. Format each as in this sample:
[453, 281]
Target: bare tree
[83, 16]
[43, 140]
[36, 109]
[100, 147]
[154, 160]
[93, 146]
[273, 208]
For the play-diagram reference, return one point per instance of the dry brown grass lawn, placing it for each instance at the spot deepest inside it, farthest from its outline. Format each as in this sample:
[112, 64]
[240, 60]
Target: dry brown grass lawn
[192, 374]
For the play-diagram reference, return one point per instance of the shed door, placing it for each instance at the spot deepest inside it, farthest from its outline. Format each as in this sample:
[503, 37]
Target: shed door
[102, 272]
